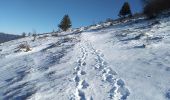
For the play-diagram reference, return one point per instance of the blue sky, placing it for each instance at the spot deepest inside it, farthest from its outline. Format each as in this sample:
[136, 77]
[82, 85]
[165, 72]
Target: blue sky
[17, 16]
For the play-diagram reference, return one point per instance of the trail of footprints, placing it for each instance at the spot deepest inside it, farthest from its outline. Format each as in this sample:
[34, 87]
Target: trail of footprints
[118, 90]
[81, 84]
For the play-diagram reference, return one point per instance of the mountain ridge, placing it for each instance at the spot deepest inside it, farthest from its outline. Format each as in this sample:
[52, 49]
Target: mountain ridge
[4, 37]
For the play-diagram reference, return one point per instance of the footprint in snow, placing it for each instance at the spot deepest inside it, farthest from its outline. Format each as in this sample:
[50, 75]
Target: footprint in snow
[81, 95]
[77, 79]
[82, 73]
[122, 89]
[84, 84]
[168, 94]
[167, 69]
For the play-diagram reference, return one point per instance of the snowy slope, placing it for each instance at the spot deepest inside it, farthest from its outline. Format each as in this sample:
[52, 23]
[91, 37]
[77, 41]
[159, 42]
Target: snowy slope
[128, 61]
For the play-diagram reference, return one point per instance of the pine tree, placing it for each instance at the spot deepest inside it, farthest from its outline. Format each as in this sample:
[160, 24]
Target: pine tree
[23, 34]
[144, 2]
[125, 11]
[65, 23]
[152, 8]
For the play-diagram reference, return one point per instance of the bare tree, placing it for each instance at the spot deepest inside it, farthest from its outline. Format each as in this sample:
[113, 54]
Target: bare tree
[34, 35]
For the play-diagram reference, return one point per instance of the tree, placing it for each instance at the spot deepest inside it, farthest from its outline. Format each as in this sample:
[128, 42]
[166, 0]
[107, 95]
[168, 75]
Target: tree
[29, 34]
[144, 2]
[23, 34]
[125, 11]
[153, 7]
[109, 20]
[34, 35]
[65, 24]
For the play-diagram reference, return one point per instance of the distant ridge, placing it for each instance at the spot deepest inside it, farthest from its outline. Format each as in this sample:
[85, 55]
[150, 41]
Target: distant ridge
[7, 37]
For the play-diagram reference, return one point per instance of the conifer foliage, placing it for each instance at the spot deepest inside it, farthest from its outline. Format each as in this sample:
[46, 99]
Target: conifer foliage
[125, 11]
[65, 24]
[152, 8]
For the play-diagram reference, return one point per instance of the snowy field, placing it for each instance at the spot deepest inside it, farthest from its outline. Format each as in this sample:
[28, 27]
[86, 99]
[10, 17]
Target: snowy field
[128, 61]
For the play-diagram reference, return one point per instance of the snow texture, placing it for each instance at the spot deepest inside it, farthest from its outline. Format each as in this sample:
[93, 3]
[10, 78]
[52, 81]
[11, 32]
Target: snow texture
[125, 61]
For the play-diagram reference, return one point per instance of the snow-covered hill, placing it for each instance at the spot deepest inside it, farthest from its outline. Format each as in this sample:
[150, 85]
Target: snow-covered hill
[128, 61]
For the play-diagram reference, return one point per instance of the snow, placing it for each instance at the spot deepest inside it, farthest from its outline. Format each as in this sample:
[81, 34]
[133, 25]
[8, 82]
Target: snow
[126, 61]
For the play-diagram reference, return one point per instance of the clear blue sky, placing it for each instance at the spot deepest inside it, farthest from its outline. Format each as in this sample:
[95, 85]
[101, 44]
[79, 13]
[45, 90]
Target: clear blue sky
[17, 16]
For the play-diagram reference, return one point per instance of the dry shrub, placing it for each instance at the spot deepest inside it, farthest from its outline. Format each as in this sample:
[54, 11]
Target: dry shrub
[24, 47]
[55, 35]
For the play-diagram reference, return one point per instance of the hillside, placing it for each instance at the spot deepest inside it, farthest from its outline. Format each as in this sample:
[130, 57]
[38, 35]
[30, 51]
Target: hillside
[7, 37]
[125, 61]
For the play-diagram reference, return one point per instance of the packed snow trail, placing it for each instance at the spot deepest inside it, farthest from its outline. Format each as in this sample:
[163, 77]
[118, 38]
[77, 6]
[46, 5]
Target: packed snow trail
[92, 74]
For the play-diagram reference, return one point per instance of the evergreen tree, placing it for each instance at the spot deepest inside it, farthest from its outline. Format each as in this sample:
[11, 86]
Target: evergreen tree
[144, 2]
[125, 11]
[23, 34]
[152, 8]
[65, 23]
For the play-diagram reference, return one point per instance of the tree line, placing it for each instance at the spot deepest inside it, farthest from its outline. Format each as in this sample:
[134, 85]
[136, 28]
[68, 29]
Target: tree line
[65, 23]
[151, 8]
